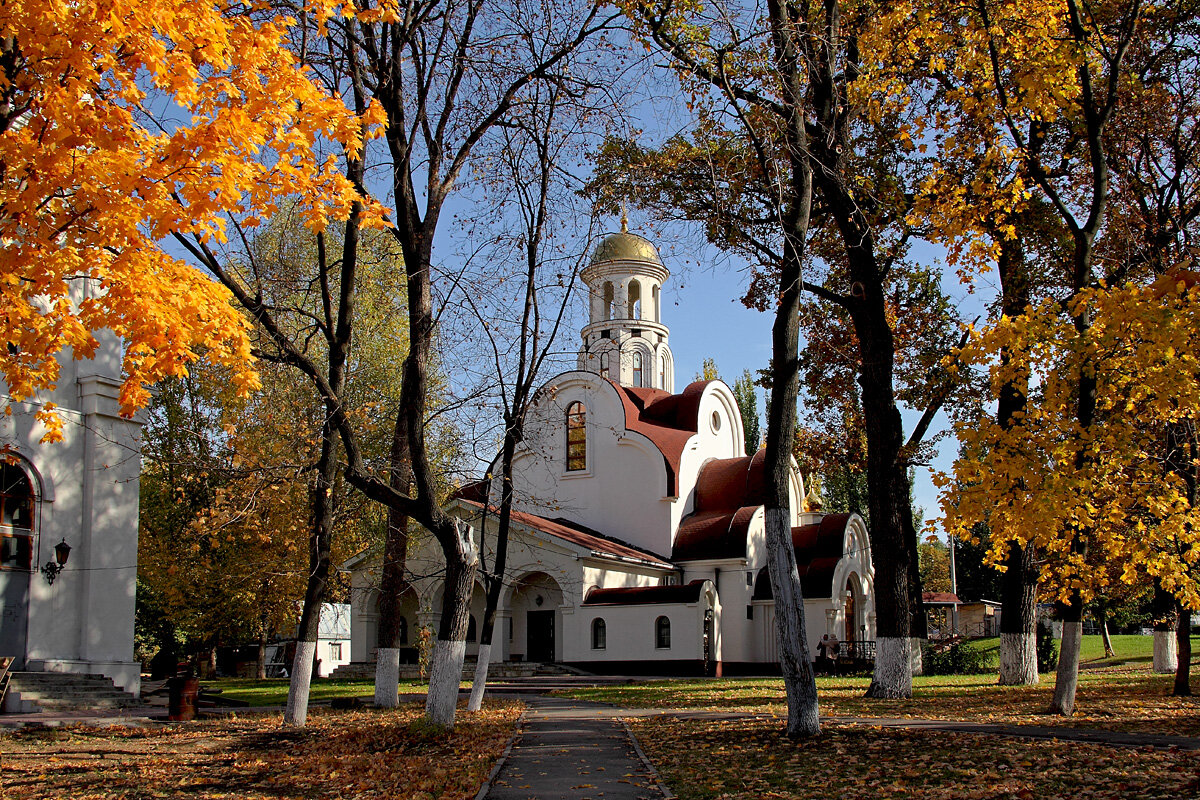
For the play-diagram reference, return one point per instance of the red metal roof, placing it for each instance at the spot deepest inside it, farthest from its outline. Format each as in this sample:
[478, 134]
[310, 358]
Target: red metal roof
[818, 550]
[939, 598]
[577, 534]
[667, 420]
[728, 493]
[644, 595]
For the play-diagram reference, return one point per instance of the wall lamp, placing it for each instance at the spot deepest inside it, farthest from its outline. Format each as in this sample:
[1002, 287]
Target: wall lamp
[50, 570]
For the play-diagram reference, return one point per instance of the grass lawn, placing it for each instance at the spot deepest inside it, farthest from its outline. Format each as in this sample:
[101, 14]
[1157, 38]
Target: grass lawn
[1112, 694]
[750, 759]
[274, 691]
[350, 754]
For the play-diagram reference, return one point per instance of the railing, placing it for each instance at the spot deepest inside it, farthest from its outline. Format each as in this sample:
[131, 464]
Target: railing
[5, 663]
[857, 651]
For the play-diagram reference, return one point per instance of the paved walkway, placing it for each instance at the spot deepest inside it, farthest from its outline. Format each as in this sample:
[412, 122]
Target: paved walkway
[572, 750]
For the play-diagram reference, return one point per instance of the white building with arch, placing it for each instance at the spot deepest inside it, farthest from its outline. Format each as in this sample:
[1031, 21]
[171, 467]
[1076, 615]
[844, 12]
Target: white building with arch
[637, 540]
[81, 492]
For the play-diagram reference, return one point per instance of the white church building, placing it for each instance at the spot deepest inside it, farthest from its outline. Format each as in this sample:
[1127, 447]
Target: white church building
[637, 541]
[75, 501]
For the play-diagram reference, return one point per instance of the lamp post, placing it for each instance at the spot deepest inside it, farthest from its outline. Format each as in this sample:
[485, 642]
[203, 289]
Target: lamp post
[50, 570]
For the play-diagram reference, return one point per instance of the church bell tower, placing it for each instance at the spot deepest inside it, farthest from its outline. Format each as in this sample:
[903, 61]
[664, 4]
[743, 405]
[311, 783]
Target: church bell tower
[625, 340]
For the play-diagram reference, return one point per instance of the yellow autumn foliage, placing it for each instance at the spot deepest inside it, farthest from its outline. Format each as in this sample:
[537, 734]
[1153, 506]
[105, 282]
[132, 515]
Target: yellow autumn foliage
[123, 124]
[1047, 481]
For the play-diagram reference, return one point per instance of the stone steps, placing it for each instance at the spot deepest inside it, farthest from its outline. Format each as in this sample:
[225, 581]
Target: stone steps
[64, 691]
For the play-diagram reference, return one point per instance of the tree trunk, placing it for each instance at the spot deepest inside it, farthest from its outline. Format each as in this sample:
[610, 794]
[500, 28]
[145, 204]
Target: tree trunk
[795, 663]
[1018, 583]
[392, 583]
[1067, 679]
[1165, 624]
[450, 649]
[1018, 619]
[1102, 612]
[1183, 638]
[321, 521]
[261, 672]
[495, 581]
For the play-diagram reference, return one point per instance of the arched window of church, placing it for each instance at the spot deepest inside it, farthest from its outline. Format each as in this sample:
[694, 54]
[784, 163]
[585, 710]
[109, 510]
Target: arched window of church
[637, 369]
[604, 365]
[656, 301]
[576, 437]
[16, 518]
[599, 634]
[635, 300]
[662, 371]
[662, 633]
[608, 300]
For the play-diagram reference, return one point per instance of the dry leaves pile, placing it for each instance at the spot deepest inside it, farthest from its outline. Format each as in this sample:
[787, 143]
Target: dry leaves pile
[360, 754]
[751, 760]
[1120, 698]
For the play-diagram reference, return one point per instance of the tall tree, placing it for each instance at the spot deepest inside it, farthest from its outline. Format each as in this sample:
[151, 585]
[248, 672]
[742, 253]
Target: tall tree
[522, 330]
[445, 73]
[791, 124]
[745, 391]
[1039, 86]
[90, 183]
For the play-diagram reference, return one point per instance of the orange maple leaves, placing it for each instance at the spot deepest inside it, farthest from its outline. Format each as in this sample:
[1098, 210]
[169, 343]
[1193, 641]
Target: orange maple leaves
[121, 125]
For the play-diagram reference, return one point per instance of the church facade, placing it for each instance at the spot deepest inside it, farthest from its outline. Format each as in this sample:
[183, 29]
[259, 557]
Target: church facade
[74, 501]
[637, 540]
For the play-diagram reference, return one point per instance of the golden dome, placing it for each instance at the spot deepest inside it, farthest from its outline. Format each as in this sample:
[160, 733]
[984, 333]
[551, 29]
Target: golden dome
[625, 246]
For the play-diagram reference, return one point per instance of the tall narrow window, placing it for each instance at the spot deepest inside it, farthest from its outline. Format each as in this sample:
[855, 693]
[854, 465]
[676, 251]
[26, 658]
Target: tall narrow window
[16, 518]
[637, 369]
[604, 365]
[662, 633]
[401, 630]
[656, 304]
[599, 634]
[576, 437]
[635, 300]
[608, 300]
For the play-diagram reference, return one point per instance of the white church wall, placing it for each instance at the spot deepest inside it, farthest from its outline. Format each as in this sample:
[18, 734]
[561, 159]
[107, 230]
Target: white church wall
[630, 633]
[89, 496]
[620, 493]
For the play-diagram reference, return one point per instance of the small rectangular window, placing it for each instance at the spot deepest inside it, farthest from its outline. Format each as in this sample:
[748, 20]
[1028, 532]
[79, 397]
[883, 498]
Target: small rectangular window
[749, 612]
[749, 578]
[335, 651]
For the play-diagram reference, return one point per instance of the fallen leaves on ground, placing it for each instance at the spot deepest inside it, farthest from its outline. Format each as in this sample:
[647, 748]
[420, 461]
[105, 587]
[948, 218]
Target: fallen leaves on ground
[751, 759]
[353, 754]
[1120, 698]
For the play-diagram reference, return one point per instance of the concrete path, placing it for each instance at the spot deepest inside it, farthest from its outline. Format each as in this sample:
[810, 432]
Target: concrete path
[572, 750]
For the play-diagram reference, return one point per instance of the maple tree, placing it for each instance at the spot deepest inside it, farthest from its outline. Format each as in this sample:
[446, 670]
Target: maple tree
[1035, 105]
[122, 124]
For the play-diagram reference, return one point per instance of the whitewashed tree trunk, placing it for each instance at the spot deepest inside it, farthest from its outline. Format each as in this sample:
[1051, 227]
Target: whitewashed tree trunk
[893, 667]
[387, 677]
[917, 655]
[296, 712]
[1166, 652]
[445, 676]
[1018, 659]
[479, 686]
[1067, 679]
[792, 639]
